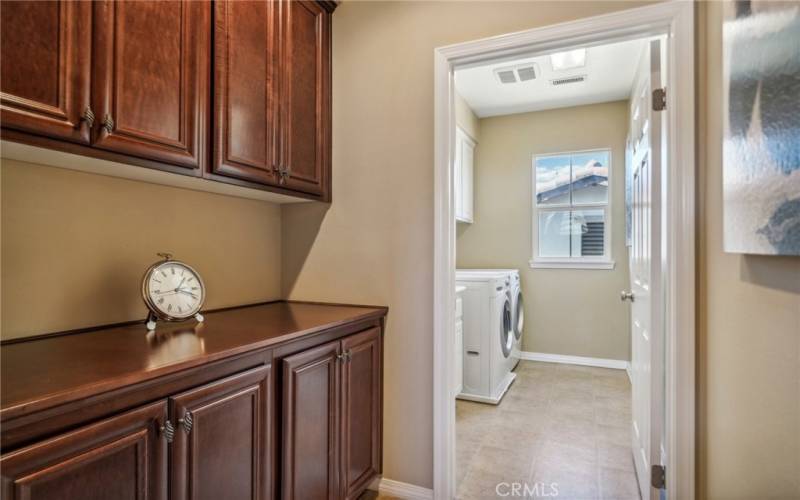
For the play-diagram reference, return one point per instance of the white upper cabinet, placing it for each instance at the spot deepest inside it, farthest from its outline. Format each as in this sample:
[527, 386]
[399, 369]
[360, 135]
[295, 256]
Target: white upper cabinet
[464, 156]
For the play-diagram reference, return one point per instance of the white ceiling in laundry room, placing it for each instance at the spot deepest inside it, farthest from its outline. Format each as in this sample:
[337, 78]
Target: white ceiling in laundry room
[608, 76]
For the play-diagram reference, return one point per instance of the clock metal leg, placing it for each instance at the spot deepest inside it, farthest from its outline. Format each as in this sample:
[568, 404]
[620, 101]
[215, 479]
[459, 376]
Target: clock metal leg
[151, 322]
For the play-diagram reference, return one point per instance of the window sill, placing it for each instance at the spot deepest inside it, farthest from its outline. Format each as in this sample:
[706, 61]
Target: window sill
[572, 264]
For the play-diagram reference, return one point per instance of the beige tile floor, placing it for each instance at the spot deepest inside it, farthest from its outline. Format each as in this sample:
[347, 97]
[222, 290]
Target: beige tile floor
[562, 424]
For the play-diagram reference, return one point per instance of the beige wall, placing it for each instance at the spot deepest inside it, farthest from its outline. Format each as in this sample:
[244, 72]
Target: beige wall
[749, 330]
[466, 118]
[500, 237]
[375, 242]
[75, 246]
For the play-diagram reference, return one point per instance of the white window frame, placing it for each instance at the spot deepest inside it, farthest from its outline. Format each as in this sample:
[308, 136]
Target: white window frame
[604, 261]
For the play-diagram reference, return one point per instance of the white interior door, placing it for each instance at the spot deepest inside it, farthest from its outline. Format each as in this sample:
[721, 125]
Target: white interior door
[645, 271]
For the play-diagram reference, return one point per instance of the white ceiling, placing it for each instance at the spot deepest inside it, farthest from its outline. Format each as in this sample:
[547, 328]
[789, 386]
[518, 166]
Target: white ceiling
[609, 69]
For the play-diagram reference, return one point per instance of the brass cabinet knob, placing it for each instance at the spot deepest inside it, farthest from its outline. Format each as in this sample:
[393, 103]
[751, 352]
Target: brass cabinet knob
[186, 422]
[167, 430]
[283, 173]
[88, 117]
[108, 123]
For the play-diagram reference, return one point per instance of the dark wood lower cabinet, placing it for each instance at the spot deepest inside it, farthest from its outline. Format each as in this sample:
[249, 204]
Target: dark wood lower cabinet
[310, 421]
[222, 439]
[311, 430]
[122, 457]
[361, 411]
[332, 418]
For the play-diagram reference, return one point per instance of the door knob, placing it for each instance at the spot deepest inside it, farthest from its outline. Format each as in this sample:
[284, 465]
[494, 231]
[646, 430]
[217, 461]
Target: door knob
[623, 296]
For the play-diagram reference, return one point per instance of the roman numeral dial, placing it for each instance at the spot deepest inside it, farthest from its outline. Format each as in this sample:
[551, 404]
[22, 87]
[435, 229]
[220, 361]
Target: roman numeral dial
[173, 290]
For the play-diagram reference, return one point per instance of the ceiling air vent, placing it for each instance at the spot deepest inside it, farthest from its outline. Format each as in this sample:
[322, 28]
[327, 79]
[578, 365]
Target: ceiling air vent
[526, 73]
[568, 80]
[506, 75]
[517, 74]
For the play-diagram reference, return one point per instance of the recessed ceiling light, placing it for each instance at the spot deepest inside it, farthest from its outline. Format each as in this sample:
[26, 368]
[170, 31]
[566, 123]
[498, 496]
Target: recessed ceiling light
[570, 59]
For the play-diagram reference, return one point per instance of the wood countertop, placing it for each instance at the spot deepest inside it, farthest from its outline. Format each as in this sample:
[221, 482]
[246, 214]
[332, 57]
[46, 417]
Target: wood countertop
[53, 370]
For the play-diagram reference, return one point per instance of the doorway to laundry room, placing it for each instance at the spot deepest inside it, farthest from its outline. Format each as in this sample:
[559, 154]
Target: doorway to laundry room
[558, 348]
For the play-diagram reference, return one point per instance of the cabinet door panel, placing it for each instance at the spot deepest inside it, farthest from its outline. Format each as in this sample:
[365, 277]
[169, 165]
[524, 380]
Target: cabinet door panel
[151, 79]
[305, 96]
[44, 79]
[225, 452]
[123, 457]
[245, 100]
[361, 411]
[310, 423]
[467, 173]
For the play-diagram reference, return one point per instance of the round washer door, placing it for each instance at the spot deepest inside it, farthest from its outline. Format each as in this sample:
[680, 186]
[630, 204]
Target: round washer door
[506, 330]
[519, 316]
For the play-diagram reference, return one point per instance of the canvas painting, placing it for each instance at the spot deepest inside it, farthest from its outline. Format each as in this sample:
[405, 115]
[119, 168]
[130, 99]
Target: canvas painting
[761, 149]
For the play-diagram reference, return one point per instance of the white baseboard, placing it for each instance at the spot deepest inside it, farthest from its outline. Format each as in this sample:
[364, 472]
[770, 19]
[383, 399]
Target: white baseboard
[617, 364]
[628, 369]
[397, 489]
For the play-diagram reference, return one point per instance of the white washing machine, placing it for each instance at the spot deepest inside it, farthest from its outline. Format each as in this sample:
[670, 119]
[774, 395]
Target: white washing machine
[517, 309]
[488, 334]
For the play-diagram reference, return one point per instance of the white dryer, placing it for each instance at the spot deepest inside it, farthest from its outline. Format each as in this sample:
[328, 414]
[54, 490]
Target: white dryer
[488, 334]
[517, 316]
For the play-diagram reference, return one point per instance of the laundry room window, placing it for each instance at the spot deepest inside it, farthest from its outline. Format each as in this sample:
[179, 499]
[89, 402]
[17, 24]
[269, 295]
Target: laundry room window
[572, 210]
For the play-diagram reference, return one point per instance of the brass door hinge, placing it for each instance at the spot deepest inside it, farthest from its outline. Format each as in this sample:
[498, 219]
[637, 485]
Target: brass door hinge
[658, 476]
[660, 99]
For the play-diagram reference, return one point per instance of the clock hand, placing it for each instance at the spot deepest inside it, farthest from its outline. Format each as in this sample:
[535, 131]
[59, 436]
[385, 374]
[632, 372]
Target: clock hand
[180, 284]
[187, 293]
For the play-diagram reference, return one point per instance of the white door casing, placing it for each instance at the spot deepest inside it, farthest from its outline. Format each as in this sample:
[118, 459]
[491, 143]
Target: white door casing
[676, 20]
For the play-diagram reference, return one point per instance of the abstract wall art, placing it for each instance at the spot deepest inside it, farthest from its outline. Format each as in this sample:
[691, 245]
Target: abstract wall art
[761, 145]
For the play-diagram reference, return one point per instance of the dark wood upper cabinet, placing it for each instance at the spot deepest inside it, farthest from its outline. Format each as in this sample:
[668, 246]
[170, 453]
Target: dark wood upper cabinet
[272, 94]
[124, 456]
[151, 79]
[222, 439]
[45, 76]
[245, 95]
[305, 97]
[361, 411]
[310, 422]
[132, 81]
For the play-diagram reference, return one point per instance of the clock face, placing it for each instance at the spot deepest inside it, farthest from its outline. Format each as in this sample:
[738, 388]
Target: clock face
[174, 290]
